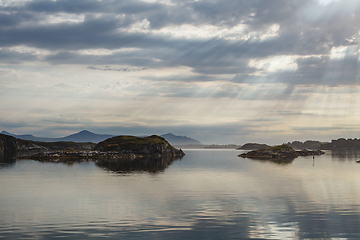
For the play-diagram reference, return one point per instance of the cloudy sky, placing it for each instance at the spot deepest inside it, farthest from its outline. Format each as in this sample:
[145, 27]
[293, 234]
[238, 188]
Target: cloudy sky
[220, 71]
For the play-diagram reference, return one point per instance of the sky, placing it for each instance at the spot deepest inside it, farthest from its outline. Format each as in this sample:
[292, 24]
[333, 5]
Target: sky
[219, 71]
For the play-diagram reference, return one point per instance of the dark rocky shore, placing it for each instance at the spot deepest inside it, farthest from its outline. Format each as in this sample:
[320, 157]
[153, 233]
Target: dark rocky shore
[279, 152]
[64, 156]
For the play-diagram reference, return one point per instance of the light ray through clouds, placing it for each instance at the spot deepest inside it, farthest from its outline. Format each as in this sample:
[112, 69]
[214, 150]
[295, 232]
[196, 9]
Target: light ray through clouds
[219, 71]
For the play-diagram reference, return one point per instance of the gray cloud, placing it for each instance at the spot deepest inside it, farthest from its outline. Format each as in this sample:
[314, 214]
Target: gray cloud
[92, 6]
[5, 124]
[109, 68]
[299, 34]
[14, 57]
[317, 128]
[182, 78]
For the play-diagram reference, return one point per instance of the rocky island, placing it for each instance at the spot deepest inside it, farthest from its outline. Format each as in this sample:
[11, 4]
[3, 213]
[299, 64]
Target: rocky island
[253, 146]
[115, 148]
[279, 152]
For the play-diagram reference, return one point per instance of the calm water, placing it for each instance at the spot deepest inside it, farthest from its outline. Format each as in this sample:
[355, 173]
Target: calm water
[208, 194]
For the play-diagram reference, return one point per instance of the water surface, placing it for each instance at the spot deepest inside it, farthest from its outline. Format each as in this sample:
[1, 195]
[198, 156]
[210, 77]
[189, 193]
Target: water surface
[208, 194]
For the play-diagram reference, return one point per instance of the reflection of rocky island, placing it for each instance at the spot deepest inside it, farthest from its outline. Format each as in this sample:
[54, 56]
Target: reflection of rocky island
[345, 154]
[152, 165]
[119, 148]
[6, 161]
[279, 152]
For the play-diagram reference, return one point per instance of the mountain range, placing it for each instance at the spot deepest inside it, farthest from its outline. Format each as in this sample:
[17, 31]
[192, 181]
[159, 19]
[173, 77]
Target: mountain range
[87, 136]
[83, 136]
[180, 140]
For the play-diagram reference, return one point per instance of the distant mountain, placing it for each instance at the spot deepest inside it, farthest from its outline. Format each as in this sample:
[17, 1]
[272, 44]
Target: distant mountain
[6, 133]
[83, 136]
[30, 137]
[86, 136]
[180, 140]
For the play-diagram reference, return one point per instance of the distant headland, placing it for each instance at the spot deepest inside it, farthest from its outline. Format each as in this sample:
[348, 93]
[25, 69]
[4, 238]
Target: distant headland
[338, 144]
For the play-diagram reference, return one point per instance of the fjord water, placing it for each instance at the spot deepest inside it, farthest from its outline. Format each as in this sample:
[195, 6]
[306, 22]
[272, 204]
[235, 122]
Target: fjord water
[208, 194]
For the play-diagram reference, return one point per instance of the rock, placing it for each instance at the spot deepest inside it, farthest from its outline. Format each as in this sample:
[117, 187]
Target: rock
[310, 153]
[11, 145]
[153, 145]
[279, 152]
[253, 146]
[116, 148]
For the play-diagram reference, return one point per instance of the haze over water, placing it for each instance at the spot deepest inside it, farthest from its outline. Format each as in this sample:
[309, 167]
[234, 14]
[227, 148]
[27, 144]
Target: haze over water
[208, 194]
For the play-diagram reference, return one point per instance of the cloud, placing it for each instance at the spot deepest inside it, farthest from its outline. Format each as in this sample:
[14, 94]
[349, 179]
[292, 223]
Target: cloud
[15, 57]
[317, 128]
[5, 124]
[113, 25]
[109, 68]
[175, 60]
[68, 120]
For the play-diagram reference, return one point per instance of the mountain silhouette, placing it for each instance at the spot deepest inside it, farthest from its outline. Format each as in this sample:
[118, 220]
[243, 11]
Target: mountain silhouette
[180, 140]
[87, 136]
[83, 136]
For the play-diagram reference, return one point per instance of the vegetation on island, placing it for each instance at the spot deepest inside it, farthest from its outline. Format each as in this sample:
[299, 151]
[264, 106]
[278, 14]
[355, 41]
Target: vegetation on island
[278, 152]
[253, 146]
[279, 148]
[134, 144]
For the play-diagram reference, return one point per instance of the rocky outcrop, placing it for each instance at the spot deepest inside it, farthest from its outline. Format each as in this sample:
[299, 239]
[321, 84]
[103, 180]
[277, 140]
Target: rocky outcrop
[279, 152]
[253, 146]
[145, 146]
[306, 152]
[65, 156]
[116, 148]
[10, 145]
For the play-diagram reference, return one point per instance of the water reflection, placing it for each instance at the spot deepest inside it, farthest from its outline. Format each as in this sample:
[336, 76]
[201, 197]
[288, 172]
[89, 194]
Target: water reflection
[6, 161]
[152, 165]
[345, 155]
[206, 195]
[277, 161]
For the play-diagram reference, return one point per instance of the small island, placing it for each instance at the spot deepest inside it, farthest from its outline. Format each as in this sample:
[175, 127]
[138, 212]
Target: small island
[253, 146]
[279, 152]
